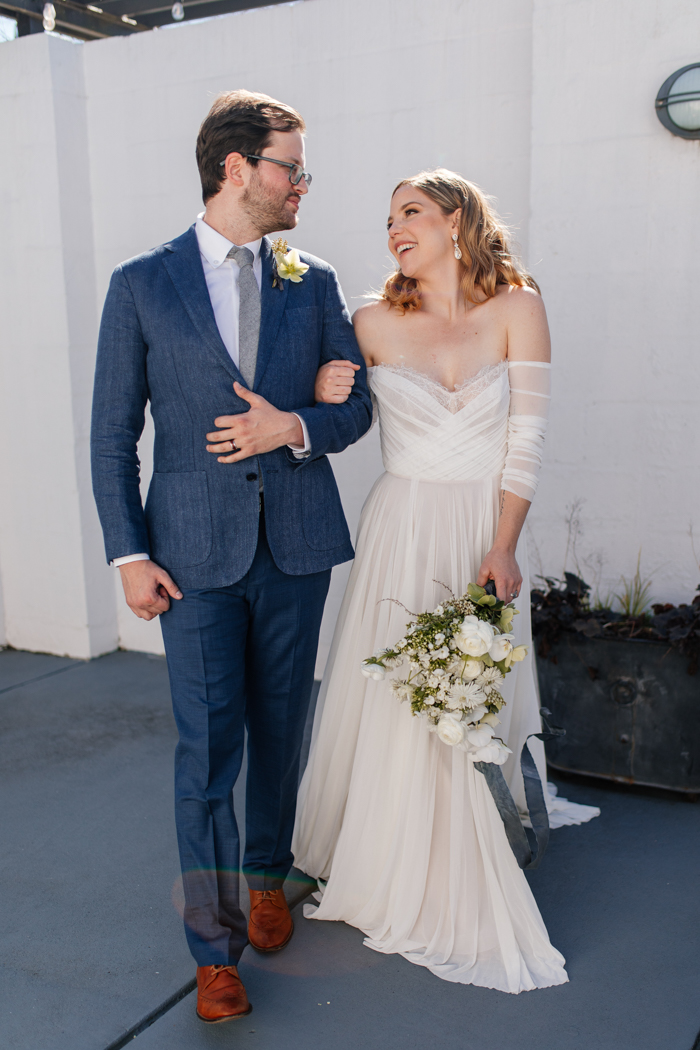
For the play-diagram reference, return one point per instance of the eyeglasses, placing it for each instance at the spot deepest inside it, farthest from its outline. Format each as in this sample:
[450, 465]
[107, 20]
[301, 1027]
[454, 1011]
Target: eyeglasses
[296, 172]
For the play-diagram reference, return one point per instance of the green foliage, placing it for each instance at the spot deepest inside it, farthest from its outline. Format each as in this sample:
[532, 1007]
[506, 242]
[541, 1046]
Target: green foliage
[634, 596]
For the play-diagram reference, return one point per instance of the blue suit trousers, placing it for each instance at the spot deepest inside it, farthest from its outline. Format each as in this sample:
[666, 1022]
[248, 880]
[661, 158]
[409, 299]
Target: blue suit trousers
[240, 658]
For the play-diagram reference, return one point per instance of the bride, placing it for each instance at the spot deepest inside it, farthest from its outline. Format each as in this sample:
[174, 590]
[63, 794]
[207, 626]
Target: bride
[399, 828]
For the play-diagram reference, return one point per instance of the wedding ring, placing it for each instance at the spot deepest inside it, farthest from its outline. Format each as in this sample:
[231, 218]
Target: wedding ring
[233, 447]
[514, 594]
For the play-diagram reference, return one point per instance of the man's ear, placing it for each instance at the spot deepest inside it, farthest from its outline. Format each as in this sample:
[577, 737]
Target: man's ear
[233, 168]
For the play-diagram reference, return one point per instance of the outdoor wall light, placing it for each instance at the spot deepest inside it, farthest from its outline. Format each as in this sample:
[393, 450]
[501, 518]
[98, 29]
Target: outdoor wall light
[678, 102]
[178, 11]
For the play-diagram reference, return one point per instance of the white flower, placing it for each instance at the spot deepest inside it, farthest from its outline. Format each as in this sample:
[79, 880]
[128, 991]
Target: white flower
[441, 654]
[402, 643]
[495, 752]
[372, 670]
[472, 670]
[402, 689]
[430, 700]
[476, 714]
[439, 610]
[490, 676]
[439, 638]
[450, 729]
[475, 637]
[501, 647]
[290, 267]
[480, 735]
[472, 694]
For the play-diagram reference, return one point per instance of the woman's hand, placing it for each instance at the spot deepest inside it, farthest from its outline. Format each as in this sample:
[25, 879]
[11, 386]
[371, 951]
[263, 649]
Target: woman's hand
[334, 382]
[500, 566]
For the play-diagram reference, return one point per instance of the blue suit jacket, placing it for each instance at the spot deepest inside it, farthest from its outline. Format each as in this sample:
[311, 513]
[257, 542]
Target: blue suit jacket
[159, 342]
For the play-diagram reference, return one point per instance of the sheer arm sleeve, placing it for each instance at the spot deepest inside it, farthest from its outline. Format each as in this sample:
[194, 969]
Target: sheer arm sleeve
[527, 425]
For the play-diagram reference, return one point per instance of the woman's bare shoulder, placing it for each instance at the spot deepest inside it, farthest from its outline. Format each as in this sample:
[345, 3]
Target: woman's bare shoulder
[520, 300]
[526, 321]
[369, 315]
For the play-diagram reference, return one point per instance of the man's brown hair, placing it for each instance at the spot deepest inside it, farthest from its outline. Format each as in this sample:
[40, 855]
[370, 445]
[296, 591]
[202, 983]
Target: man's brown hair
[239, 122]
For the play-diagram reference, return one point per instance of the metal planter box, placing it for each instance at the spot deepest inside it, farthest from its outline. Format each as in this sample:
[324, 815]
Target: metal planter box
[630, 710]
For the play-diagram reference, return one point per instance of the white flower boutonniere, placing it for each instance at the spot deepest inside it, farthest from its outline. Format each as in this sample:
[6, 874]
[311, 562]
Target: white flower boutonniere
[288, 265]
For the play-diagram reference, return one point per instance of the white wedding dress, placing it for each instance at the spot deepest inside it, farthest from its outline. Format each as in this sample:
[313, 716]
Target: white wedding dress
[399, 827]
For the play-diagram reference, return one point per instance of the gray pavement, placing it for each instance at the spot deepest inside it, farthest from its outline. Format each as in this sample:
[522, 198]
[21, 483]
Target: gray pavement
[91, 941]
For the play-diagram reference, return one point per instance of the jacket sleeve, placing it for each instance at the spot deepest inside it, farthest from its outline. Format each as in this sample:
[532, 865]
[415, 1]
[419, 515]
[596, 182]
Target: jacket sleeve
[118, 414]
[332, 428]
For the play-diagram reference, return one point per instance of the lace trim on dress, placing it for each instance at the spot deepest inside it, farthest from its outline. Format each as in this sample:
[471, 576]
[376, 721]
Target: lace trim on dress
[453, 400]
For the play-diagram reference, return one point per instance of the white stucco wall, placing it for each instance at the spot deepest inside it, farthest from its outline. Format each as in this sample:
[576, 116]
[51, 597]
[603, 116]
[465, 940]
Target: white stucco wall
[547, 105]
[615, 234]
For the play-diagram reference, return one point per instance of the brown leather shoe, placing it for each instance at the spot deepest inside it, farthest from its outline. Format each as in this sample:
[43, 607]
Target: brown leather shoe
[220, 994]
[271, 925]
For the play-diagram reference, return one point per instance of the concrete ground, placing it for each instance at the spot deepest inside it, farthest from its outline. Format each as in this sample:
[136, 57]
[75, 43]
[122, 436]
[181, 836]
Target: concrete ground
[94, 958]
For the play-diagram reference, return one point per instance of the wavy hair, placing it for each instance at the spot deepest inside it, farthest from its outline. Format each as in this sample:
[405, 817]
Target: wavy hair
[487, 259]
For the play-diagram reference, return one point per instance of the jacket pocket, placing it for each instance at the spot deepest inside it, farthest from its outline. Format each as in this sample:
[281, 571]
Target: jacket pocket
[179, 518]
[323, 519]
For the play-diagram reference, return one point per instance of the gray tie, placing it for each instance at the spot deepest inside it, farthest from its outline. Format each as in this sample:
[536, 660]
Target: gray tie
[248, 314]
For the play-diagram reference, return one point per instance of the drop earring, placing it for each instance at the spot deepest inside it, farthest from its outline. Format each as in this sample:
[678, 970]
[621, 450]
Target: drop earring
[458, 254]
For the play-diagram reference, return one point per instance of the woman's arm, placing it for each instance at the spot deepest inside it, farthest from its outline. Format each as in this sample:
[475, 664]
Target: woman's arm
[335, 379]
[529, 346]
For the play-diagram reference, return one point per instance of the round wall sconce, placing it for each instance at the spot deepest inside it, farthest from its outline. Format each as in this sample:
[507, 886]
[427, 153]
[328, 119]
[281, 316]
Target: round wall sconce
[678, 102]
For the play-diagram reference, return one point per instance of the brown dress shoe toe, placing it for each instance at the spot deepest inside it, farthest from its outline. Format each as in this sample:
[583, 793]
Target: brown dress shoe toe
[220, 994]
[271, 925]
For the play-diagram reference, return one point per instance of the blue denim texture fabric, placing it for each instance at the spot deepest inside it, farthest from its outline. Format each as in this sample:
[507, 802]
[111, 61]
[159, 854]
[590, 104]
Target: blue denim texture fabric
[243, 654]
[159, 343]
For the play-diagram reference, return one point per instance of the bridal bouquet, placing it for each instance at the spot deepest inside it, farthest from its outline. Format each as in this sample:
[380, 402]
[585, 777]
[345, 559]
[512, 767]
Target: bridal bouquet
[458, 657]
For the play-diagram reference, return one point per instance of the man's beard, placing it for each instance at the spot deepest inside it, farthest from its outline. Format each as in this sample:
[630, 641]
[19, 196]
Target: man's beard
[267, 214]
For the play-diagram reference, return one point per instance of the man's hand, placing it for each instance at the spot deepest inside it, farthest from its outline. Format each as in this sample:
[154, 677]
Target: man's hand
[335, 381]
[146, 588]
[262, 429]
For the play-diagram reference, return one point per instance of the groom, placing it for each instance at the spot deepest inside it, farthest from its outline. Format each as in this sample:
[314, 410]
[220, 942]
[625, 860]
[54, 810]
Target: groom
[242, 523]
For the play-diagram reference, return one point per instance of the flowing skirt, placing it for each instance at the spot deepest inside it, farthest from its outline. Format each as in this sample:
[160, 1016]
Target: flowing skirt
[401, 827]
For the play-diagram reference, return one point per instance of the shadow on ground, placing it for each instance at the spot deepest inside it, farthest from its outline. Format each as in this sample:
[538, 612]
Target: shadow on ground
[92, 942]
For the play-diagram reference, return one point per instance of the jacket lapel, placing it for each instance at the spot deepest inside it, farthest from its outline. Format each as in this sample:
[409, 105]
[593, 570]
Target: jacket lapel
[272, 303]
[184, 266]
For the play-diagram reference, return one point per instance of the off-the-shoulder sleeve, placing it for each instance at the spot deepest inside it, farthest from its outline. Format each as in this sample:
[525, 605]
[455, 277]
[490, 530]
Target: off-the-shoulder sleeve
[527, 426]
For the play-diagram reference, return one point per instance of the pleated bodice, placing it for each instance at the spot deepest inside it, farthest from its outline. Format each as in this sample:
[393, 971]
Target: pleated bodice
[430, 433]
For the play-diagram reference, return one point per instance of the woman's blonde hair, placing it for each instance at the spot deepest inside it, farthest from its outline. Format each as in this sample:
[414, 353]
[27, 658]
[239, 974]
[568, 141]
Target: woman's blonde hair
[487, 260]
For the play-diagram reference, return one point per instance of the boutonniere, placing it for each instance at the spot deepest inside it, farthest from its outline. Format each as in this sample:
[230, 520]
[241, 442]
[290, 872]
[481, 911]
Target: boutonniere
[288, 265]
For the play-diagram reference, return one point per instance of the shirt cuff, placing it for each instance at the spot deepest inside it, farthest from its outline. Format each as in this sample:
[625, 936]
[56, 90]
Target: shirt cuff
[299, 452]
[130, 557]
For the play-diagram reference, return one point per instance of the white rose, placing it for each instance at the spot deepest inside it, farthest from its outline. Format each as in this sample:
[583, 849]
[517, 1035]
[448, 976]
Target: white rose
[501, 647]
[480, 736]
[475, 636]
[450, 729]
[472, 670]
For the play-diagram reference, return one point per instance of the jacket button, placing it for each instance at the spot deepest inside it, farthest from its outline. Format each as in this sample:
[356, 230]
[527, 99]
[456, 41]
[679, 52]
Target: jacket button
[251, 477]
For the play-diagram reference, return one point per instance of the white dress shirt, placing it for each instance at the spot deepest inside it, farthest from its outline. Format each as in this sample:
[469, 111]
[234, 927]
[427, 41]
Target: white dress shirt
[222, 276]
